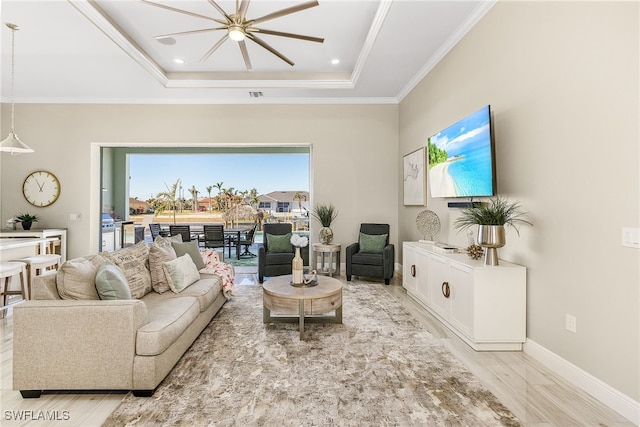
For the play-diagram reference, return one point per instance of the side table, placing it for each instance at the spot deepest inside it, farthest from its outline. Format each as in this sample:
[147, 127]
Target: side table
[330, 250]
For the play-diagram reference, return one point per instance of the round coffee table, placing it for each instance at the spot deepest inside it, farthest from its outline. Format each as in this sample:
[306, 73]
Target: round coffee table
[307, 303]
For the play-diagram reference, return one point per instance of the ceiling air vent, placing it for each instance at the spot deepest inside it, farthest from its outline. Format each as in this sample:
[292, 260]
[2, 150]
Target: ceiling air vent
[255, 94]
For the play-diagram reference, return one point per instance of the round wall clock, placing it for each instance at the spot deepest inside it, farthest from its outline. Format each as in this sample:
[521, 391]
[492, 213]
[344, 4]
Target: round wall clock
[41, 188]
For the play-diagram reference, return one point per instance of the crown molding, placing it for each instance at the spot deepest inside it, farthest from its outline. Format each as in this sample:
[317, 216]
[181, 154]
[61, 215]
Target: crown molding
[446, 47]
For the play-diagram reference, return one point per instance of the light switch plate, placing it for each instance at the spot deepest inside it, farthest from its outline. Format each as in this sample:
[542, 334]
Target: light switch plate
[631, 237]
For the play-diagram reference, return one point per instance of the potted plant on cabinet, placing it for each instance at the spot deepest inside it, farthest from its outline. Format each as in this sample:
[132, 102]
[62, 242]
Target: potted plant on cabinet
[491, 218]
[26, 219]
[326, 214]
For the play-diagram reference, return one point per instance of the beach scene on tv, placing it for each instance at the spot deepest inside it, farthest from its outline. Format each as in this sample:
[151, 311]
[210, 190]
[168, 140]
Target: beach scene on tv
[460, 158]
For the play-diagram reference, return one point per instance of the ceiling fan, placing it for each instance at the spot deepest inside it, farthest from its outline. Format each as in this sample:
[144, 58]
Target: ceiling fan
[238, 28]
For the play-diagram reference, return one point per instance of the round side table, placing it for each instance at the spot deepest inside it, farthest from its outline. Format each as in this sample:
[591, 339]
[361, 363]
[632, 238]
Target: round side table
[324, 250]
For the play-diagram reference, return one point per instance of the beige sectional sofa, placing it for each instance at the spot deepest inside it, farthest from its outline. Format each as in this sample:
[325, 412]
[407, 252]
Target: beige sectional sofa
[62, 342]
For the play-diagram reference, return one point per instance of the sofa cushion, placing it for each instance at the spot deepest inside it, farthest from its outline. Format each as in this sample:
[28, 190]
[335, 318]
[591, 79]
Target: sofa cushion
[205, 289]
[180, 273]
[191, 249]
[372, 243]
[365, 258]
[76, 278]
[279, 243]
[111, 282]
[133, 262]
[160, 252]
[168, 319]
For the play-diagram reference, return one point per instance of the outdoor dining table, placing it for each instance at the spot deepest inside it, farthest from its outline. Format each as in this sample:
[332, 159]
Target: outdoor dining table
[235, 233]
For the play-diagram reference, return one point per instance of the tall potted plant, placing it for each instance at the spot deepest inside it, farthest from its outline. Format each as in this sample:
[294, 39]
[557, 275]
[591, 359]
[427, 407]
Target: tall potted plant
[326, 214]
[491, 218]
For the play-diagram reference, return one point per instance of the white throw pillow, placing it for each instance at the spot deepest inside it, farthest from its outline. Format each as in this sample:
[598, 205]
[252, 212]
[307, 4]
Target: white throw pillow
[76, 278]
[181, 272]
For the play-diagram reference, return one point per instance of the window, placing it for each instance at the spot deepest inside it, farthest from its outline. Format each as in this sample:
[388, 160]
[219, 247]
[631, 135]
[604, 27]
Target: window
[283, 207]
[265, 205]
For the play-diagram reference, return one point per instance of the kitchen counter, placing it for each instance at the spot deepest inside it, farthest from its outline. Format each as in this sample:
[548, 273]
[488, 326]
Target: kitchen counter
[43, 233]
[12, 248]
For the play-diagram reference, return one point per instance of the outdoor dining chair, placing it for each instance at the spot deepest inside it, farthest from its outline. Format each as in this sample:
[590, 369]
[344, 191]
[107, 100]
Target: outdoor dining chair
[213, 237]
[183, 230]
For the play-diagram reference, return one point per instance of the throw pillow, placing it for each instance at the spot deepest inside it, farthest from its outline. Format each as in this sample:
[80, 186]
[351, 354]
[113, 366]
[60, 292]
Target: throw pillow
[76, 278]
[160, 252]
[166, 241]
[372, 243]
[133, 261]
[190, 248]
[181, 272]
[111, 283]
[279, 243]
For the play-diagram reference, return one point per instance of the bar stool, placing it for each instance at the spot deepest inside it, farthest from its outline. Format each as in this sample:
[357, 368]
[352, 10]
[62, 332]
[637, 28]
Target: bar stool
[9, 270]
[37, 265]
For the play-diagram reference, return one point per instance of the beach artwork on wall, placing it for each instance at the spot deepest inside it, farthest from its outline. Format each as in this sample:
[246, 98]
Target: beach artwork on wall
[415, 189]
[461, 161]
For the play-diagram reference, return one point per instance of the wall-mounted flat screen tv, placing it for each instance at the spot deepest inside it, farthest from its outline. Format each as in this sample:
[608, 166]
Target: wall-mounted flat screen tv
[461, 158]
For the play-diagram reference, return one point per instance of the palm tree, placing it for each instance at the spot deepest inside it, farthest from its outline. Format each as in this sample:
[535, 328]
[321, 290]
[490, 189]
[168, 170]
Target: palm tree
[209, 188]
[220, 191]
[300, 197]
[194, 197]
[169, 197]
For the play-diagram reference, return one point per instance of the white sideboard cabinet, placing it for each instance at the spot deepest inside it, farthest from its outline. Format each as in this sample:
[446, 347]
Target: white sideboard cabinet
[484, 305]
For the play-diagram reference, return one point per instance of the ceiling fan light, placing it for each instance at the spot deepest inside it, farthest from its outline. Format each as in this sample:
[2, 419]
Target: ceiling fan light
[12, 145]
[236, 33]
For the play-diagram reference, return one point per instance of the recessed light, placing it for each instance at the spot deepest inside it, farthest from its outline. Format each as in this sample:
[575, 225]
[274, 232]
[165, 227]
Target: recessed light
[179, 61]
[335, 61]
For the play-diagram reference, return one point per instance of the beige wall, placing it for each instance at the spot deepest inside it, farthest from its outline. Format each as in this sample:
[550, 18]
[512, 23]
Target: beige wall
[354, 151]
[562, 80]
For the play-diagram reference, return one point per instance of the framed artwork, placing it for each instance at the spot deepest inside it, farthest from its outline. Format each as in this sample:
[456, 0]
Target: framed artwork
[415, 178]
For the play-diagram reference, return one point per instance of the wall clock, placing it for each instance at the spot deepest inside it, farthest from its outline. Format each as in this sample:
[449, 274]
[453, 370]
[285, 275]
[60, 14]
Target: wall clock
[41, 188]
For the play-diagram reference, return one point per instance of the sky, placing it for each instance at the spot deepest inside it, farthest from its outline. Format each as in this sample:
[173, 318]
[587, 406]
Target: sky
[151, 174]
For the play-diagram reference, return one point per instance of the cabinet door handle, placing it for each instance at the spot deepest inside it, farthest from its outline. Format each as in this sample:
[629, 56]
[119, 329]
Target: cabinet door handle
[446, 291]
[413, 270]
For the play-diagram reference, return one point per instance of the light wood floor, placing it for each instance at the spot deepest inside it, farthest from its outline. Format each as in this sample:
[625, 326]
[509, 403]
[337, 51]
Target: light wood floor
[530, 391]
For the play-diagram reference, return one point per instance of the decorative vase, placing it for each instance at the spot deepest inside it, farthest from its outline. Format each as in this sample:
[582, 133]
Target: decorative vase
[492, 238]
[297, 268]
[325, 235]
[26, 225]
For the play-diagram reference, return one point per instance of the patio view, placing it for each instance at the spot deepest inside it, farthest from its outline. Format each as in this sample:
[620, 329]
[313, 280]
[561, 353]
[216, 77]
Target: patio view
[190, 201]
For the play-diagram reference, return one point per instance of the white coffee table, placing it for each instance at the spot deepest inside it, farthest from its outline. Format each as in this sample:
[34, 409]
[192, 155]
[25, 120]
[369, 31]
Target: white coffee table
[308, 304]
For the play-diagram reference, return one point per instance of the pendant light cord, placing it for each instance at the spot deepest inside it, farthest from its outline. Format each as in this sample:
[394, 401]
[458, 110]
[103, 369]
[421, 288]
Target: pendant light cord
[13, 73]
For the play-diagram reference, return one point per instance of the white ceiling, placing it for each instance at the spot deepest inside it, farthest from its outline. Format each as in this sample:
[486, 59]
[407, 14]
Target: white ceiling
[104, 51]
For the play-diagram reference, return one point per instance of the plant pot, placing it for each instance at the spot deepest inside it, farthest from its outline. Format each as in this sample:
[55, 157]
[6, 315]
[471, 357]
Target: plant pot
[325, 235]
[26, 225]
[491, 237]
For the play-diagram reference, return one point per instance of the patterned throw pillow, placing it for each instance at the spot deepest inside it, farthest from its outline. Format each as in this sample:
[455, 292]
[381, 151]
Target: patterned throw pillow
[279, 243]
[181, 272]
[111, 283]
[372, 243]
[160, 252]
[133, 262]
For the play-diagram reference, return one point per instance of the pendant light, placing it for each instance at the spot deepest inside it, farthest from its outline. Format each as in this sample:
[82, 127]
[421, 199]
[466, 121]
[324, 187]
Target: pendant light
[12, 144]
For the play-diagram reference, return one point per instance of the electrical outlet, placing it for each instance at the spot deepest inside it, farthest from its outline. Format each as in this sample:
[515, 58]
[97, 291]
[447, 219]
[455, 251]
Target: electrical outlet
[570, 323]
[75, 217]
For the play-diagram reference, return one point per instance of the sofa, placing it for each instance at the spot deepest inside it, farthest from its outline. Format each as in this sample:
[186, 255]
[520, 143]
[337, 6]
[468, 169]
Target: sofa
[84, 329]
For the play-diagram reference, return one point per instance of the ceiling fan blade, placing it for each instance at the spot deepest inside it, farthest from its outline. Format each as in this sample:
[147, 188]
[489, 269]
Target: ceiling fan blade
[182, 33]
[283, 12]
[245, 55]
[270, 49]
[186, 12]
[221, 10]
[241, 10]
[214, 47]
[281, 34]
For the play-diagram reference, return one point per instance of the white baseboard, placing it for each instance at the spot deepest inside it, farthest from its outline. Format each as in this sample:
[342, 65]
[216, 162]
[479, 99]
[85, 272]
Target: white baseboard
[619, 402]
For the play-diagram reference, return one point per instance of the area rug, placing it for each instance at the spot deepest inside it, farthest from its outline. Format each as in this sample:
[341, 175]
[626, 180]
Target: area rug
[379, 368]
